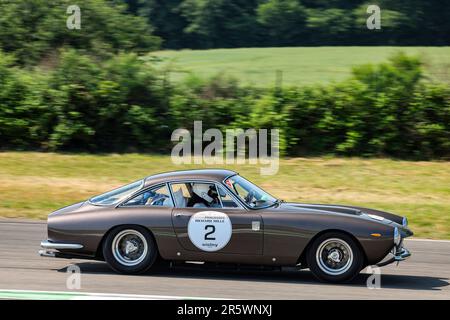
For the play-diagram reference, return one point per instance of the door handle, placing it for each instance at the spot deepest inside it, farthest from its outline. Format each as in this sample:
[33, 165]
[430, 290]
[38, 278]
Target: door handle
[180, 215]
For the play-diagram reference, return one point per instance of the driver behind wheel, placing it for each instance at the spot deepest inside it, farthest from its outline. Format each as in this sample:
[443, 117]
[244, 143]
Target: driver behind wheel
[203, 196]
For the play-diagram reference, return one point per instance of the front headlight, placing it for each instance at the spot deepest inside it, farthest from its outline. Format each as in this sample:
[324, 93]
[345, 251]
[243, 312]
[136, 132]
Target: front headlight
[397, 236]
[405, 222]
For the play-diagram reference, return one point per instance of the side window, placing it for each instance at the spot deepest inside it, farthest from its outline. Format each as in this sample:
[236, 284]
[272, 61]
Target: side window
[195, 195]
[180, 194]
[227, 201]
[114, 196]
[153, 197]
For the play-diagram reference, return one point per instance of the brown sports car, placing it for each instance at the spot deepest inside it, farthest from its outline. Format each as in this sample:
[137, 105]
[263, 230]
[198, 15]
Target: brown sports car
[218, 216]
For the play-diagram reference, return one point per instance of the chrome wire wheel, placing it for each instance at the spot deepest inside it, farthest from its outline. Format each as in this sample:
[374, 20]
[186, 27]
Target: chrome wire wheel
[334, 256]
[129, 247]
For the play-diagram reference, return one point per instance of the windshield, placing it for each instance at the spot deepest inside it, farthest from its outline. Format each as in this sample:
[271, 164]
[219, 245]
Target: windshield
[252, 195]
[116, 195]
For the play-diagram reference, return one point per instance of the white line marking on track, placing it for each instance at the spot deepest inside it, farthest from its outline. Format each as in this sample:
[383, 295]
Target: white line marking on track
[22, 222]
[427, 240]
[74, 295]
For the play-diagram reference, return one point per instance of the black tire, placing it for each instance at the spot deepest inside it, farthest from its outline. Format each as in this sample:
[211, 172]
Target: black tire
[146, 258]
[323, 269]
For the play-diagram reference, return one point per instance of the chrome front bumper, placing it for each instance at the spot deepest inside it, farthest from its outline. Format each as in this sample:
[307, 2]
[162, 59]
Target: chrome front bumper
[49, 247]
[396, 255]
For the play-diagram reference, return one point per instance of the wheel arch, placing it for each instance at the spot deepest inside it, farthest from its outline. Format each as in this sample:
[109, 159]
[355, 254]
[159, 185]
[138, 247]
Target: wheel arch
[99, 251]
[302, 258]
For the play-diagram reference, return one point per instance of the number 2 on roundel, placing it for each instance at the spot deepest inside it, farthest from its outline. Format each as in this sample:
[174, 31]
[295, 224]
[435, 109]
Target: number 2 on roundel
[211, 229]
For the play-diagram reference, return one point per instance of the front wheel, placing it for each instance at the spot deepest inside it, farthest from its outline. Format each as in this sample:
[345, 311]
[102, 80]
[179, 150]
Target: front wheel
[335, 257]
[130, 250]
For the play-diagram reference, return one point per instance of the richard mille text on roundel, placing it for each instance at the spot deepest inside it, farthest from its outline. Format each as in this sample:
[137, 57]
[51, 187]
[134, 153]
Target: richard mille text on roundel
[218, 216]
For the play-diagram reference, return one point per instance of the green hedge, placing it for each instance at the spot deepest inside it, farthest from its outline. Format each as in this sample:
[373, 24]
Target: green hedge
[125, 105]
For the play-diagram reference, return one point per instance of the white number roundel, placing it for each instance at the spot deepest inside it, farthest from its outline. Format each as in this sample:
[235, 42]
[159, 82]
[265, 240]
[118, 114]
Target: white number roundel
[209, 230]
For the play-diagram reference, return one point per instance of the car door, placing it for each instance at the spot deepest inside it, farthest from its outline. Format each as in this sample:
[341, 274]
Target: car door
[227, 230]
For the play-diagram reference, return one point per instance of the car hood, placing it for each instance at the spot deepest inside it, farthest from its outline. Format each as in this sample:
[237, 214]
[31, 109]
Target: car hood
[350, 210]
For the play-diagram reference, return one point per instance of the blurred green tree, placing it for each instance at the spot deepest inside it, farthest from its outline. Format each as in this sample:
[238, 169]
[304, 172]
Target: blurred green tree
[33, 29]
[221, 23]
[284, 21]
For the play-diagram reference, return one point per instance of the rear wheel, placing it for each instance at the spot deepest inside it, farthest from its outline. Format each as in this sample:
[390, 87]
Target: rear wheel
[130, 250]
[335, 257]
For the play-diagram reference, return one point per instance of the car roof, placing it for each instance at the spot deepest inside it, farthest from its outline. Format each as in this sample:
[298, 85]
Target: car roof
[217, 175]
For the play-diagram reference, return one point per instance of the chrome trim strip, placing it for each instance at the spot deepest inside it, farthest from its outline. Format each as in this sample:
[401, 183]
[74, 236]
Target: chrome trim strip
[53, 245]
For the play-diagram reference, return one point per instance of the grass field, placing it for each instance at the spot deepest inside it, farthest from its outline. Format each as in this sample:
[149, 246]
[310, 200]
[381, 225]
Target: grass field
[299, 66]
[34, 184]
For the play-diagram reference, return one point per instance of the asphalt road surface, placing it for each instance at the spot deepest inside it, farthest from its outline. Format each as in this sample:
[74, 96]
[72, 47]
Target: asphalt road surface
[425, 275]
